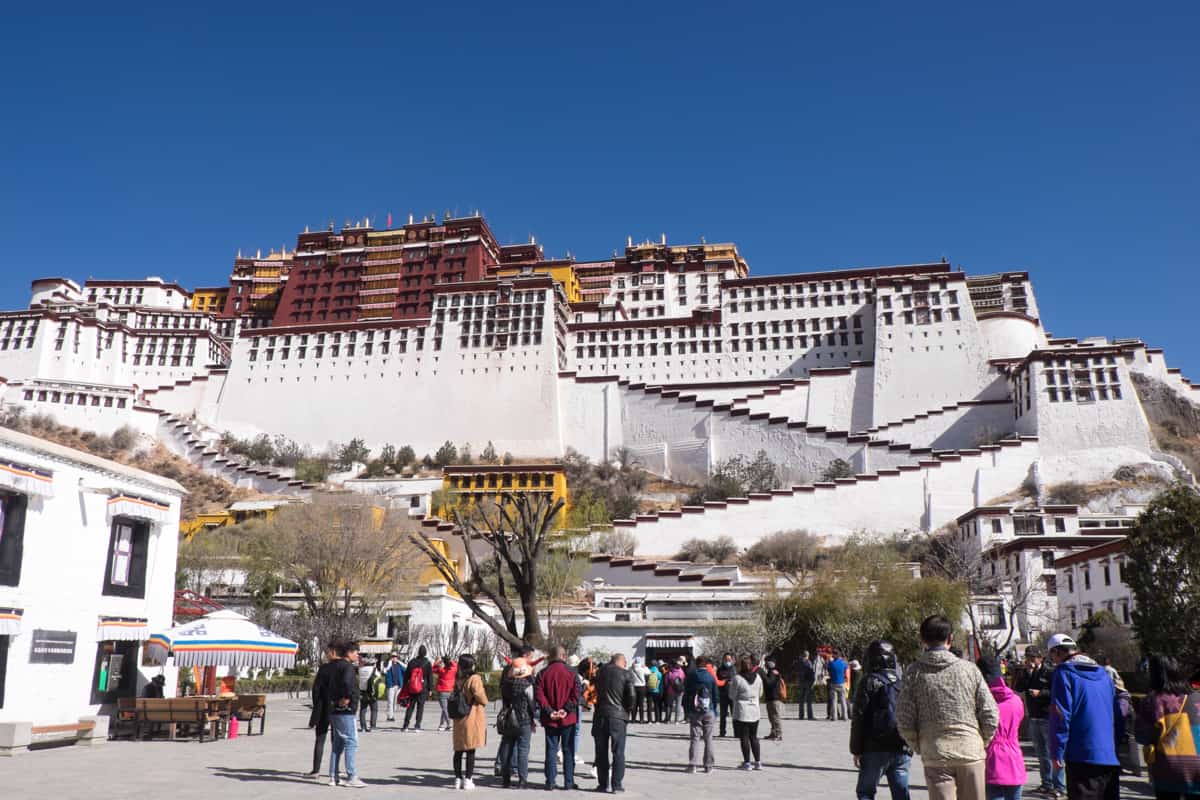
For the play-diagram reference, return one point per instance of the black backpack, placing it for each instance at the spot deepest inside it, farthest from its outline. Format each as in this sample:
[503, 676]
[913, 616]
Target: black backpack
[457, 706]
[883, 708]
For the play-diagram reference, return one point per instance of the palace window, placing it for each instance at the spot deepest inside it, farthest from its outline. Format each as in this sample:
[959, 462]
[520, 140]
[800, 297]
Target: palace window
[128, 551]
[12, 537]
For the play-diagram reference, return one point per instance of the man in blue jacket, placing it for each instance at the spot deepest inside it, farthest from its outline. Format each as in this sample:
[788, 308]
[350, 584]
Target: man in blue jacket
[394, 680]
[1085, 723]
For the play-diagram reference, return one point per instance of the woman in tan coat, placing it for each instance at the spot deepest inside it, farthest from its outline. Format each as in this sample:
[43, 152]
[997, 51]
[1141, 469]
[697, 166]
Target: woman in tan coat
[470, 732]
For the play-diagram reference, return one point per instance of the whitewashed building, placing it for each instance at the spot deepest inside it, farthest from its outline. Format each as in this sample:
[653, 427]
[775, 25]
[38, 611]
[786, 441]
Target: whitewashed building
[87, 571]
[1093, 580]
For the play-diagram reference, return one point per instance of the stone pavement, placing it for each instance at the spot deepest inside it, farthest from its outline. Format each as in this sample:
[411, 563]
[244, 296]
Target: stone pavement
[812, 761]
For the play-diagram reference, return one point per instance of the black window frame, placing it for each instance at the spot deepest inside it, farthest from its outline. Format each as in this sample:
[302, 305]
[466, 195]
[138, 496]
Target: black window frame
[138, 559]
[12, 538]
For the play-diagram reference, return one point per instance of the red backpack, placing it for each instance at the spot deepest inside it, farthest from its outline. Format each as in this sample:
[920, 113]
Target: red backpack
[415, 683]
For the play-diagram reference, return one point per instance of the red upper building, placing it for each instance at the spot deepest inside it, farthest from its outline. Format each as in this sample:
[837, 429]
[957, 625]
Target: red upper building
[360, 273]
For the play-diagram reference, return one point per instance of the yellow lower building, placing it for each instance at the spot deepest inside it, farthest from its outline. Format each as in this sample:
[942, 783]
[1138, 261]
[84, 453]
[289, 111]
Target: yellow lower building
[472, 483]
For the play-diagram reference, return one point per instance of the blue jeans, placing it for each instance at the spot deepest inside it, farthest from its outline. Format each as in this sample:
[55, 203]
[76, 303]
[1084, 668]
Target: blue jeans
[344, 728]
[995, 792]
[873, 766]
[1039, 729]
[514, 755]
[564, 738]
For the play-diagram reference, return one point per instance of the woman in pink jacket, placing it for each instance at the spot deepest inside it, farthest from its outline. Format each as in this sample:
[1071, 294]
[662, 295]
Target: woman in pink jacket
[1005, 774]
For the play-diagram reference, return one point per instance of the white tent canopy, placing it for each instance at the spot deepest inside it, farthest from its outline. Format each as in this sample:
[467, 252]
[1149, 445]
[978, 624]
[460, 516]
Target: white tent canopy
[223, 638]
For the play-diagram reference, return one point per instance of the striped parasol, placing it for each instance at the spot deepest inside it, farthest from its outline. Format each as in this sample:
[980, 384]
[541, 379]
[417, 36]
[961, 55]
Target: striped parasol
[222, 638]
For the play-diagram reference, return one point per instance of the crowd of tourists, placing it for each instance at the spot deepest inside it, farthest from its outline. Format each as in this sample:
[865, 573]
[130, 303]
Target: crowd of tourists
[961, 717]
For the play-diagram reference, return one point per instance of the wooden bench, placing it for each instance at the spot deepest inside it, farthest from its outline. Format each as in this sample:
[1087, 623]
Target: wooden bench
[249, 707]
[189, 712]
[61, 734]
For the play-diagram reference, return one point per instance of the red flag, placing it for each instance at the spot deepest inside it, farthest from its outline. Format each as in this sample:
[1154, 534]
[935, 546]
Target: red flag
[389, 220]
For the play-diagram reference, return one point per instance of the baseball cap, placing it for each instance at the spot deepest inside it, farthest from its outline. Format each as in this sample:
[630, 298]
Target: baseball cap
[1060, 640]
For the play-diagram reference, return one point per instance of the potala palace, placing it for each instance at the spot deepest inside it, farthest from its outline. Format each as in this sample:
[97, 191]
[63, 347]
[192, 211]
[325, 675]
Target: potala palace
[943, 390]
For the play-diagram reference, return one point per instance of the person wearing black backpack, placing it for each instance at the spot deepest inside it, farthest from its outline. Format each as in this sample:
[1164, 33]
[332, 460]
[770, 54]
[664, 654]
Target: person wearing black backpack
[875, 740]
[466, 706]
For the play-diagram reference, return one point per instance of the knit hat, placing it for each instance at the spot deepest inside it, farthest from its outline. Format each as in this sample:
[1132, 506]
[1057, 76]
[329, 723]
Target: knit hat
[573, 661]
[990, 667]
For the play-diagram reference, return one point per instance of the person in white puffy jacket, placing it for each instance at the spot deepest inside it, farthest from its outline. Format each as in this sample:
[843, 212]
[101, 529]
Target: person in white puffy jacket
[744, 691]
[639, 672]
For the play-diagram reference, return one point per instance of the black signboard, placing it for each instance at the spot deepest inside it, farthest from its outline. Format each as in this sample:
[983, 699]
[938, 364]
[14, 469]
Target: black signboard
[52, 647]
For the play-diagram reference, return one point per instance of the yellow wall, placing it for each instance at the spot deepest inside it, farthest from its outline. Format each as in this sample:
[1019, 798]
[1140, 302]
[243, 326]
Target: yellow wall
[209, 299]
[564, 274]
[472, 483]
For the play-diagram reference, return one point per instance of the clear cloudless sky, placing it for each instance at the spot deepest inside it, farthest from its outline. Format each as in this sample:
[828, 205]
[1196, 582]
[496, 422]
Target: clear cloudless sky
[1061, 138]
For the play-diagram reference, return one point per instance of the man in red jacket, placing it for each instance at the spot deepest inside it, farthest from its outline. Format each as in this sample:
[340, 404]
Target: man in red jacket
[557, 694]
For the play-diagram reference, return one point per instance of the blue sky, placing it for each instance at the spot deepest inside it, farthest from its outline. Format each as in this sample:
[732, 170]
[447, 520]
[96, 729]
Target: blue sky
[1055, 137]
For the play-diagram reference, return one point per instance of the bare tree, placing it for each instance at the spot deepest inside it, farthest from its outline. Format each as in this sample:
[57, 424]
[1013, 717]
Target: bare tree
[560, 576]
[616, 542]
[952, 558]
[444, 640]
[346, 556]
[793, 554]
[512, 534]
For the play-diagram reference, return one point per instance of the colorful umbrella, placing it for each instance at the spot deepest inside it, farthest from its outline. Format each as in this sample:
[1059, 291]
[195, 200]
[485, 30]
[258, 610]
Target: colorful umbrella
[223, 638]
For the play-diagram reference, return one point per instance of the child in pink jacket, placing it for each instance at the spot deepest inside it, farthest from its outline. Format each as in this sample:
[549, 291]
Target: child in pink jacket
[1005, 775]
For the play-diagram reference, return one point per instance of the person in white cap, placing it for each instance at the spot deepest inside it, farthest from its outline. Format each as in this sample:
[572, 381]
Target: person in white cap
[1085, 723]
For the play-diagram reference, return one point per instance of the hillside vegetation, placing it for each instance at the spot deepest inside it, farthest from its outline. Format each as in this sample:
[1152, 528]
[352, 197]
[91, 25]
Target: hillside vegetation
[205, 492]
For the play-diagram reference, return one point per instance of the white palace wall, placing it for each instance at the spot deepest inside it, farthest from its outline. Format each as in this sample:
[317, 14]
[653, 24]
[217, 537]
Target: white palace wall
[509, 397]
[916, 497]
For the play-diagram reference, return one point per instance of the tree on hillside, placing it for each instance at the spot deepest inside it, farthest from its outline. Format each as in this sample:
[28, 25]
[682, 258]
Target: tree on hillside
[838, 468]
[718, 550]
[1163, 571]
[793, 554]
[504, 542]
[616, 542]
[344, 555]
[446, 455]
[737, 477]
[353, 452]
[488, 456]
[949, 557]
[605, 490]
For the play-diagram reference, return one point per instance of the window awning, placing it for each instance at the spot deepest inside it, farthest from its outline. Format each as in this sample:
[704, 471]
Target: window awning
[26, 480]
[680, 641]
[10, 621]
[376, 646]
[128, 505]
[122, 629]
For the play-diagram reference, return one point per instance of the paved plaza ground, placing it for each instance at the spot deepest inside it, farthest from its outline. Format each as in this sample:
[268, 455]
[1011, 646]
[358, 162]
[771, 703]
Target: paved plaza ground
[812, 761]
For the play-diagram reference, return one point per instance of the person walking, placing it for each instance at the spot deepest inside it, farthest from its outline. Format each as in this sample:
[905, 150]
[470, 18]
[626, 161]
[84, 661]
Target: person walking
[744, 690]
[1166, 723]
[806, 678]
[654, 692]
[1005, 774]
[875, 740]
[947, 716]
[638, 672]
[676, 678]
[616, 696]
[368, 703]
[724, 675]
[1034, 682]
[343, 699]
[1085, 723]
[468, 703]
[516, 722]
[773, 694]
[700, 693]
[418, 677]
[394, 681]
[321, 706]
[557, 695]
[445, 671]
[839, 675]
